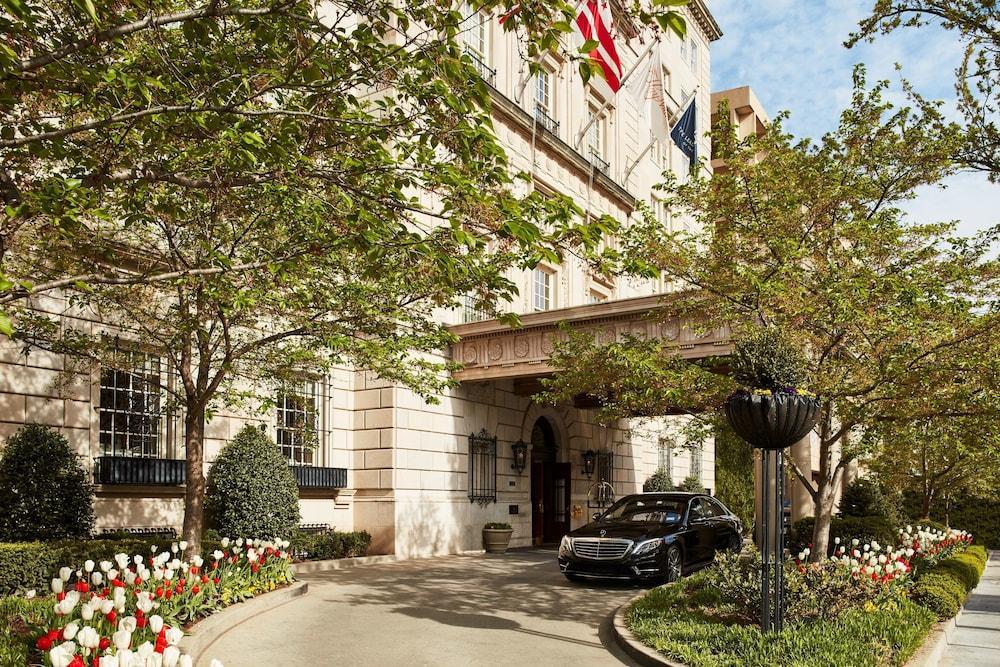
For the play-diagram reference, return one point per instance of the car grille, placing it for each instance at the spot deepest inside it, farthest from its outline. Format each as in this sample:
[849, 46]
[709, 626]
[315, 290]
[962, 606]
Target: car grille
[600, 548]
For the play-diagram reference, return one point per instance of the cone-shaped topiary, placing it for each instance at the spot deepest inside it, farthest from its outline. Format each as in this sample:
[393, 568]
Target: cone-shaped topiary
[251, 490]
[45, 493]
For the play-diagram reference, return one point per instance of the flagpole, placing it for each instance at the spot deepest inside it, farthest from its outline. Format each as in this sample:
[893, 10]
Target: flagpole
[621, 84]
[670, 123]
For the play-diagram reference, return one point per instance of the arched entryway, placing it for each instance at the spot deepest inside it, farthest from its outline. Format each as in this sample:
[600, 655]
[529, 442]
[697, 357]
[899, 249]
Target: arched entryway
[550, 485]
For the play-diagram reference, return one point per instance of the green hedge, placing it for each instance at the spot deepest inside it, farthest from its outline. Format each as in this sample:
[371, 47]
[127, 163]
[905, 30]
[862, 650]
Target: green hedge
[944, 588]
[324, 546]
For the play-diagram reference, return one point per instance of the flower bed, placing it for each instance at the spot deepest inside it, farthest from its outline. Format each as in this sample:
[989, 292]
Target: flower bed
[131, 610]
[866, 605]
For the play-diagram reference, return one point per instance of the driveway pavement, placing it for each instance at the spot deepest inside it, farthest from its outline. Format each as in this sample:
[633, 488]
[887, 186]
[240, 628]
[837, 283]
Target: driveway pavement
[515, 609]
[976, 641]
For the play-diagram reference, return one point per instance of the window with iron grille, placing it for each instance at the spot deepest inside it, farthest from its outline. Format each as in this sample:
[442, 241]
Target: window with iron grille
[131, 406]
[471, 312]
[666, 457]
[298, 434]
[482, 468]
[697, 456]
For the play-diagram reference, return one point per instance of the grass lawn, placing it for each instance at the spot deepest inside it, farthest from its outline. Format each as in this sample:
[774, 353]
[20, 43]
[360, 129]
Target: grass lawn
[688, 623]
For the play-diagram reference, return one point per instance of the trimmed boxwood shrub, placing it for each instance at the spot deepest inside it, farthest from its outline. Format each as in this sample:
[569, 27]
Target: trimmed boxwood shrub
[45, 493]
[980, 553]
[327, 545]
[964, 567]
[251, 490]
[659, 481]
[939, 592]
[865, 498]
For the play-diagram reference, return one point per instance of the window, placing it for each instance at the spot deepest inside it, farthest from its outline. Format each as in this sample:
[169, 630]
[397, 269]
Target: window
[661, 211]
[475, 28]
[665, 457]
[693, 52]
[541, 293]
[697, 456]
[298, 423]
[684, 50]
[715, 507]
[482, 468]
[595, 133]
[543, 92]
[471, 312]
[131, 407]
[596, 297]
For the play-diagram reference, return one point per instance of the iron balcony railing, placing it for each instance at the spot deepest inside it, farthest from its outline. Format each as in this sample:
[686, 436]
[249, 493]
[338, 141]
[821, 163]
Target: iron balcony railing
[600, 164]
[486, 73]
[138, 470]
[546, 121]
[314, 477]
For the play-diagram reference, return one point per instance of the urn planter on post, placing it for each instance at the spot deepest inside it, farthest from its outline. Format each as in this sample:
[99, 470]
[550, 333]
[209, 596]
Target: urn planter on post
[772, 421]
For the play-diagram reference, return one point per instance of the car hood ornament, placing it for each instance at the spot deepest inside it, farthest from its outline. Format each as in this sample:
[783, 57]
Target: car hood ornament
[603, 532]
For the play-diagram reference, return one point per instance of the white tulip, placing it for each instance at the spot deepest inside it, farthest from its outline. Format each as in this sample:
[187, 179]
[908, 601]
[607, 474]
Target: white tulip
[56, 585]
[198, 561]
[216, 554]
[113, 574]
[144, 602]
[174, 636]
[183, 545]
[88, 637]
[107, 606]
[110, 661]
[158, 575]
[128, 623]
[122, 560]
[88, 566]
[125, 657]
[225, 542]
[137, 559]
[122, 639]
[175, 564]
[30, 594]
[145, 649]
[61, 655]
[97, 578]
[155, 623]
[70, 630]
[185, 661]
[173, 547]
[168, 574]
[86, 612]
[155, 660]
[105, 565]
[170, 656]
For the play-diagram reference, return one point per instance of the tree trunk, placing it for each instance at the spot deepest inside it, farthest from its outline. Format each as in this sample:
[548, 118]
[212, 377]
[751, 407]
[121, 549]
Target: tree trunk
[194, 494]
[824, 519]
[925, 505]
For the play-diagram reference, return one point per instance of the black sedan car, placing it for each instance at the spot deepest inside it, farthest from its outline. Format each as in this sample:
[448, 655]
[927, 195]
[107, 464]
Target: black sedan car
[651, 536]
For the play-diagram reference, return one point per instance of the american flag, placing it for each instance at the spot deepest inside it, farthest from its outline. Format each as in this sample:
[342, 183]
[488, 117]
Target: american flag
[595, 22]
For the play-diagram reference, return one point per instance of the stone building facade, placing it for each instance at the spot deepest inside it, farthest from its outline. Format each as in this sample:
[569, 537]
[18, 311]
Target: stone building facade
[423, 479]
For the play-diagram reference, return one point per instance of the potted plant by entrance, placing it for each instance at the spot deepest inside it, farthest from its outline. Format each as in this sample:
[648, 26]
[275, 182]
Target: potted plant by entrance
[772, 410]
[496, 537]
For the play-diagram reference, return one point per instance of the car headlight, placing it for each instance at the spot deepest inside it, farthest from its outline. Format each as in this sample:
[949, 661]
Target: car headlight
[647, 546]
[565, 546]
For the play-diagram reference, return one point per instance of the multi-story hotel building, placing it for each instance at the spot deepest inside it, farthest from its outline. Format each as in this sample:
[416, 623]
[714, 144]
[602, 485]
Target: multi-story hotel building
[424, 478]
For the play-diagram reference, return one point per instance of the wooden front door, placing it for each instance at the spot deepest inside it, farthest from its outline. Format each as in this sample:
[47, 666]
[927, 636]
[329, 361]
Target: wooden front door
[550, 494]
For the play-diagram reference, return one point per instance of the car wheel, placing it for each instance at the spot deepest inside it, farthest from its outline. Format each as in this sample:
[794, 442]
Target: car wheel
[736, 543]
[674, 564]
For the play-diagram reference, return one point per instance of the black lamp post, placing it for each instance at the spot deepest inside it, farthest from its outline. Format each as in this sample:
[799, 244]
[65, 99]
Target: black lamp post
[589, 459]
[519, 452]
[772, 422]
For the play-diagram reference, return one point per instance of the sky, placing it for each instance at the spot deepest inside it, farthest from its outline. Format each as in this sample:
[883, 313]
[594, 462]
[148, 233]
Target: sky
[791, 53]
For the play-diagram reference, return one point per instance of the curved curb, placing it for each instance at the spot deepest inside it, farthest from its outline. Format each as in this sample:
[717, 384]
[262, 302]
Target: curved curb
[635, 649]
[207, 631]
[311, 566]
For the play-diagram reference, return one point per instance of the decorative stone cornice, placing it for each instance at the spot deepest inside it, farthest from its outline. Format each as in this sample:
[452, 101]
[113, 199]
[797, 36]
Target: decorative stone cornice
[491, 350]
[705, 20]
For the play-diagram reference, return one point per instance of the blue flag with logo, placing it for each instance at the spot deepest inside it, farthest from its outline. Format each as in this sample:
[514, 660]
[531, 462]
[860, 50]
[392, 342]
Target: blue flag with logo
[684, 135]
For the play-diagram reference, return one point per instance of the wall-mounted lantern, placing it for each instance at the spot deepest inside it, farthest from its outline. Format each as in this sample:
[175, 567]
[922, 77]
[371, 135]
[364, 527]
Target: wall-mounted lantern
[589, 460]
[519, 451]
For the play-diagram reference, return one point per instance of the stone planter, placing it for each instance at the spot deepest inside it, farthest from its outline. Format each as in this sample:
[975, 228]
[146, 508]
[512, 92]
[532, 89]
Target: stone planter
[771, 421]
[496, 540]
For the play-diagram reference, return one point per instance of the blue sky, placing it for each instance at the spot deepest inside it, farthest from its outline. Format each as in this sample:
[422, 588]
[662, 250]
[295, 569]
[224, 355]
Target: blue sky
[791, 53]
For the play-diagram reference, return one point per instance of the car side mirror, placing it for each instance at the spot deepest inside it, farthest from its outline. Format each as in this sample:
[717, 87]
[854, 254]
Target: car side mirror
[597, 515]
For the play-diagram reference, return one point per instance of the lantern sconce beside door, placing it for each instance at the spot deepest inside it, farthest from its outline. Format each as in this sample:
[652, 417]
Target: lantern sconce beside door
[519, 452]
[589, 461]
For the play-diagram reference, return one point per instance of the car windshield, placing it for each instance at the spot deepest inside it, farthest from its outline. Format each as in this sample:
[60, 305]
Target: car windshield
[646, 510]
